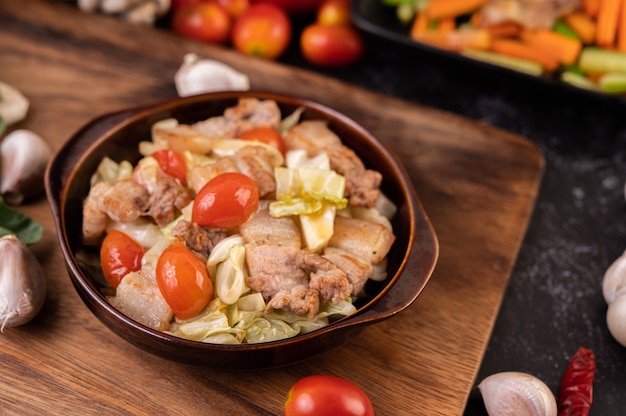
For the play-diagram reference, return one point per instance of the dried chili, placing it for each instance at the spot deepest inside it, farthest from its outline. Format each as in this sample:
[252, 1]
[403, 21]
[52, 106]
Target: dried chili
[576, 391]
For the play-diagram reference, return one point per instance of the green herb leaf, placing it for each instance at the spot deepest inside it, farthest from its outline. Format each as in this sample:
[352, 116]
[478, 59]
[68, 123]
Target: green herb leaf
[13, 222]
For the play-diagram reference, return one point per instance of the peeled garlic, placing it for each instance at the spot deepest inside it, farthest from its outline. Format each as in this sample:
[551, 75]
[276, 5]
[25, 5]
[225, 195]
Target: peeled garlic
[25, 156]
[13, 104]
[517, 394]
[197, 76]
[22, 283]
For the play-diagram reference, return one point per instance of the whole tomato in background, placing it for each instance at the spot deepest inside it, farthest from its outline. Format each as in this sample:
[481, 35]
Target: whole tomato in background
[205, 21]
[331, 46]
[293, 6]
[334, 12]
[263, 30]
[320, 395]
[234, 7]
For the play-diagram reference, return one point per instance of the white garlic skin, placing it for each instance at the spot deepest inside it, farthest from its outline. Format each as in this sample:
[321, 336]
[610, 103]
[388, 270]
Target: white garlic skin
[198, 76]
[616, 319]
[517, 394]
[13, 104]
[614, 281]
[22, 283]
[24, 157]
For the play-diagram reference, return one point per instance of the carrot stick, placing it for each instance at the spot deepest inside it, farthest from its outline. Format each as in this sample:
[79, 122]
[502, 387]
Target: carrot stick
[420, 25]
[607, 22]
[517, 49]
[457, 40]
[439, 9]
[504, 29]
[446, 25]
[591, 7]
[621, 30]
[583, 24]
[563, 48]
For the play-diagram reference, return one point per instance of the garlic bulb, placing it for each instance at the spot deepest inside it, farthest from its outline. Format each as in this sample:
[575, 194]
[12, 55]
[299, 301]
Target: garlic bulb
[197, 76]
[614, 292]
[22, 283]
[25, 156]
[517, 394]
[13, 104]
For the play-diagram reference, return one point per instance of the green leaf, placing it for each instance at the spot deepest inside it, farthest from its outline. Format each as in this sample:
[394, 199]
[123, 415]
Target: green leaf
[14, 222]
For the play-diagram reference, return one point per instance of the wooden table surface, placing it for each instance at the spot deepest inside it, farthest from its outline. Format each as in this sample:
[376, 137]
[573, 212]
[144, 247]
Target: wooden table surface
[477, 183]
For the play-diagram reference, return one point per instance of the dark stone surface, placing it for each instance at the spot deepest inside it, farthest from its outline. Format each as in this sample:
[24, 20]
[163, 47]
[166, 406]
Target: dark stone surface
[553, 304]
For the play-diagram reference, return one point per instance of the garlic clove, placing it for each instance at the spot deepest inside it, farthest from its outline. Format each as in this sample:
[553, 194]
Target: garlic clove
[197, 76]
[517, 394]
[13, 104]
[614, 280]
[22, 283]
[24, 156]
[616, 319]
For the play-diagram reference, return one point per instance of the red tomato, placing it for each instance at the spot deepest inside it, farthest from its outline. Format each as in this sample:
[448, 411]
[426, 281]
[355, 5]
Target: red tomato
[177, 4]
[119, 255]
[172, 163]
[265, 135]
[334, 12]
[206, 22]
[293, 6]
[235, 7]
[322, 395]
[183, 280]
[263, 30]
[225, 201]
[331, 45]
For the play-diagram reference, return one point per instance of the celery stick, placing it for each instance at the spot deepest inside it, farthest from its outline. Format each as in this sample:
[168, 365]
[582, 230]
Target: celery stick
[578, 80]
[520, 65]
[601, 60]
[613, 83]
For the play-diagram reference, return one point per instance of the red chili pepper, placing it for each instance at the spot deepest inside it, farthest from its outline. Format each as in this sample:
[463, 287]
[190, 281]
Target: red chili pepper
[576, 390]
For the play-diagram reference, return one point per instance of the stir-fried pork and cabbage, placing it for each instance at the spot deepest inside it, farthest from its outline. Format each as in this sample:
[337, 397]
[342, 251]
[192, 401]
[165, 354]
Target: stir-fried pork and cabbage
[242, 228]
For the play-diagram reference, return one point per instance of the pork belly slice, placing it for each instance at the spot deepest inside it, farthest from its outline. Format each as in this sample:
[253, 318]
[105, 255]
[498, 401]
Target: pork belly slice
[357, 270]
[138, 297]
[273, 268]
[324, 276]
[299, 299]
[263, 229]
[362, 238]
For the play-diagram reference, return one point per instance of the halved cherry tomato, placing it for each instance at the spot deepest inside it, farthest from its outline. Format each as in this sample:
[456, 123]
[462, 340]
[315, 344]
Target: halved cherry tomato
[327, 395]
[334, 13]
[225, 201]
[183, 280]
[263, 30]
[331, 46]
[172, 163]
[293, 6]
[207, 22]
[265, 135]
[119, 255]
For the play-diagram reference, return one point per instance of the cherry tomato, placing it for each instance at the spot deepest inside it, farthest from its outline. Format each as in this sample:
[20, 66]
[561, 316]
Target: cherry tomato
[225, 201]
[293, 6]
[207, 22]
[177, 4]
[265, 135]
[172, 163]
[183, 280]
[321, 395]
[263, 30]
[334, 13]
[331, 46]
[119, 255]
[234, 7]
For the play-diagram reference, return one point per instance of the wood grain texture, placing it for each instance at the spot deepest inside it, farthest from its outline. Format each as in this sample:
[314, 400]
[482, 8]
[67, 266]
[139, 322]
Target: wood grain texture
[478, 185]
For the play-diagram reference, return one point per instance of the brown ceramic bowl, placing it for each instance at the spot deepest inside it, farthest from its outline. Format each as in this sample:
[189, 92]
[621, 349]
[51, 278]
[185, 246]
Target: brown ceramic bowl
[411, 259]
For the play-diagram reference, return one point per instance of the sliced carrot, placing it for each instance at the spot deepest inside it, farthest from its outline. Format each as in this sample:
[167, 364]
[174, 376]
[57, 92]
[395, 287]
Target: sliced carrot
[446, 25]
[606, 28]
[440, 9]
[563, 48]
[420, 25]
[583, 24]
[621, 30]
[457, 40]
[476, 19]
[591, 7]
[517, 49]
[504, 29]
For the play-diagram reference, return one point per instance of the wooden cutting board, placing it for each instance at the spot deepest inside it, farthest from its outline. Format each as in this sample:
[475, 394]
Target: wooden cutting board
[477, 183]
